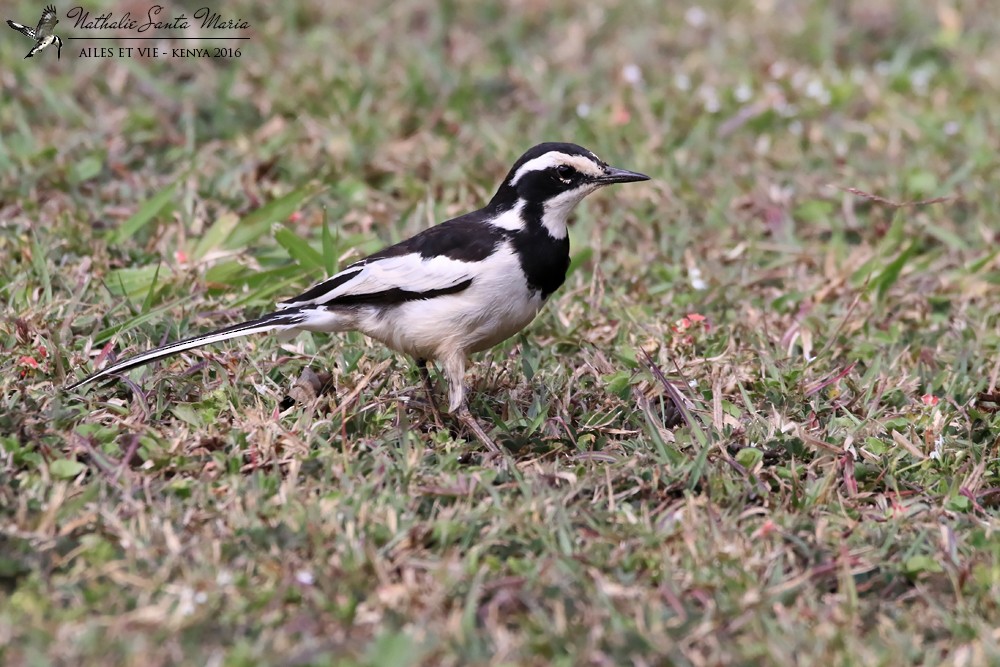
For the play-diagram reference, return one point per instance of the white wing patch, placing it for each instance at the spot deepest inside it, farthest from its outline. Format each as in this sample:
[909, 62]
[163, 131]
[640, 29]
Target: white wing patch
[510, 219]
[410, 273]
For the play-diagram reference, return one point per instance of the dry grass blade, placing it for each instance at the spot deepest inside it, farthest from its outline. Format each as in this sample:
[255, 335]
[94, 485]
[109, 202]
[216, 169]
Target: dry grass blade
[896, 204]
[680, 404]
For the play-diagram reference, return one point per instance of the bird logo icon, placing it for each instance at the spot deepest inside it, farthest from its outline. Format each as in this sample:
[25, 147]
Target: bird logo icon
[43, 34]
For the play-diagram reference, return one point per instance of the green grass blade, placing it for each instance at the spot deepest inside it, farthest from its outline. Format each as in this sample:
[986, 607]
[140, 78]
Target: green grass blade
[890, 274]
[329, 246]
[133, 282]
[299, 249]
[40, 264]
[153, 207]
[147, 303]
[151, 315]
[215, 235]
[256, 224]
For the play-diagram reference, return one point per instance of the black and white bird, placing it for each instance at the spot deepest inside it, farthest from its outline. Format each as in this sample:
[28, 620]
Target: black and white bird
[43, 34]
[457, 288]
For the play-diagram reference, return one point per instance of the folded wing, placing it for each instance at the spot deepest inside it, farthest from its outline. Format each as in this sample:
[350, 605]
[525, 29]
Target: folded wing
[386, 281]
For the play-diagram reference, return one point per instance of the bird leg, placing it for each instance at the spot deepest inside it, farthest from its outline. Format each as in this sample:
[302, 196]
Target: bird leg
[454, 369]
[425, 377]
[463, 415]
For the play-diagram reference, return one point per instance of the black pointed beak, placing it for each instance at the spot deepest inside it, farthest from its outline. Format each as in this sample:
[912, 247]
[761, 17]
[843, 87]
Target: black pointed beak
[615, 175]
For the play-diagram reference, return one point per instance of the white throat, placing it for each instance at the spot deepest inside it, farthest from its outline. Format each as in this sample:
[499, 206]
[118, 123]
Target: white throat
[558, 209]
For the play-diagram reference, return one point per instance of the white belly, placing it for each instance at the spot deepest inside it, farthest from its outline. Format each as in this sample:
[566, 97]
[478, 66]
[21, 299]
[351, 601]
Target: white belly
[496, 306]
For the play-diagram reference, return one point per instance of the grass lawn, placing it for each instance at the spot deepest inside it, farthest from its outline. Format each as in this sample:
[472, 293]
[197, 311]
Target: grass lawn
[754, 427]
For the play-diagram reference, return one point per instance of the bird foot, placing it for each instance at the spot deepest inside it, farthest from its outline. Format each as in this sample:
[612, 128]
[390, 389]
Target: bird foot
[463, 415]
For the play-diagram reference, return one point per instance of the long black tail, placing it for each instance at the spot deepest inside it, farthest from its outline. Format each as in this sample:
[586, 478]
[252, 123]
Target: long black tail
[284, 319]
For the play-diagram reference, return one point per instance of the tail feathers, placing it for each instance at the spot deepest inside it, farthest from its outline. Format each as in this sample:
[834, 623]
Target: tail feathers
[280, 320]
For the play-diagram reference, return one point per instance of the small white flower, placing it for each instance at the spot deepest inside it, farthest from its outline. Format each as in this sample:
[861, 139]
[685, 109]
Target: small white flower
[632, 74]
[763, 144]
[815, 89]
[582, 109]
[697, 281]
[305, 577]
[682, 81]
[695, 16]
[787, 110]
[920, 79]
[743, 92]
[710, 99]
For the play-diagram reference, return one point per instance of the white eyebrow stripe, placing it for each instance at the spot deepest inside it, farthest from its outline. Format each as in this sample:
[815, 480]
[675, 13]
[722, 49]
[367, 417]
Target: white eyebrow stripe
[554, 159]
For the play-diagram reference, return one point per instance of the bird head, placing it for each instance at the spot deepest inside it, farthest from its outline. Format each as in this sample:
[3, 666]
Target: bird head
[554, 178]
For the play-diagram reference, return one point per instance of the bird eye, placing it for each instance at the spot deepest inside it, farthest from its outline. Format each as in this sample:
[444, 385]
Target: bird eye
[564, 171]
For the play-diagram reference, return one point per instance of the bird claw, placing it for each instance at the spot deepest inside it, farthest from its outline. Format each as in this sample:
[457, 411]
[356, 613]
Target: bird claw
[464, 416]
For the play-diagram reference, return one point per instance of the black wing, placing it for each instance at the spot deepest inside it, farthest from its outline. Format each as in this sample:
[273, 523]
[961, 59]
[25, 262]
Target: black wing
[437, 261]
[47, 23]
[21, 28]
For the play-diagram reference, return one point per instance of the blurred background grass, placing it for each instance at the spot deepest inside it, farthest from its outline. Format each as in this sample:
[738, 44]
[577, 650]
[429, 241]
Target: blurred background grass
[834, 499]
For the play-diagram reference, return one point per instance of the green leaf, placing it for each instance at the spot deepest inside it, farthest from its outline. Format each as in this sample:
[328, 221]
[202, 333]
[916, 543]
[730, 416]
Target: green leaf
[579, 258]
[618, 383]
[329, 247]
[299, 249]
[958, 503]
[814, 210]
[149, 210]
[397, 649]
[104, 335]
[86, 169]
[228, 272]
[981, 263]
[215, 235]
[65, 468]
[264, 283]
[922, 183]
[150, 294]
[179, 487]
[133, 283]
[749, 457]
[188, 414]
[698, 467]
[921, 563]
[256, 224]
[890, 274]
[875, 446]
